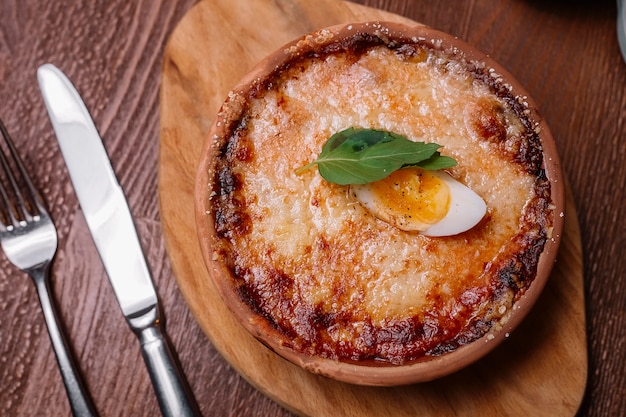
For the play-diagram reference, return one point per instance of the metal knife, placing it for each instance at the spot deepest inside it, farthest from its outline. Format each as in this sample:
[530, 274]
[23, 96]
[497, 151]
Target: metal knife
[113, 230]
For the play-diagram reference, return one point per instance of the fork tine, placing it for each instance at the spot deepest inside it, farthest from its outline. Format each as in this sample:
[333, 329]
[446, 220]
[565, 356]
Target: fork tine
[21, 210]
[9, 218]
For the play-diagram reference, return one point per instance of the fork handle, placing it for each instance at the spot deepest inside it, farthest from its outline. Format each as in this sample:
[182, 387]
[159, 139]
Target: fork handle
[80, 402]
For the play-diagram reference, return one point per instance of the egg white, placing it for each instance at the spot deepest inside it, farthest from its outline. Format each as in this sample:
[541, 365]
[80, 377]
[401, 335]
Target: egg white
[466, 209]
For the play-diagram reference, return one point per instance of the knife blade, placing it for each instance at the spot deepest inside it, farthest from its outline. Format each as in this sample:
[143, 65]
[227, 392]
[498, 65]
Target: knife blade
[113, 231]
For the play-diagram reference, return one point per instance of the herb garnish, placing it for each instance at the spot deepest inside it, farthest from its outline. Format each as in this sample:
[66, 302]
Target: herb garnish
[359, 156]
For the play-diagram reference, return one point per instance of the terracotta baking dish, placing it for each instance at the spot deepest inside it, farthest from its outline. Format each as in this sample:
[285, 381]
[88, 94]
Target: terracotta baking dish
[222, 271]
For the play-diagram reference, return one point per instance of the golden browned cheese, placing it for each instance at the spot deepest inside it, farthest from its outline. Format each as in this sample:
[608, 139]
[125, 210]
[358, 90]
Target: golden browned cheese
[317, 266]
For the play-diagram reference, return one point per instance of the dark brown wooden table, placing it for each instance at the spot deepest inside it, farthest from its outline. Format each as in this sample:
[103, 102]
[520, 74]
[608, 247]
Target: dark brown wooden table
[564, 53]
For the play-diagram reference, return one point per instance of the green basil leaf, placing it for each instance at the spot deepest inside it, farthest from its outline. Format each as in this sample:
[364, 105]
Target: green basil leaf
[436, 162]
[359, 156]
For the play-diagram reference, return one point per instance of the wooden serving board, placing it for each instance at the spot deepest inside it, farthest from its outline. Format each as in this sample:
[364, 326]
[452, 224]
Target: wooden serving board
[540, 370]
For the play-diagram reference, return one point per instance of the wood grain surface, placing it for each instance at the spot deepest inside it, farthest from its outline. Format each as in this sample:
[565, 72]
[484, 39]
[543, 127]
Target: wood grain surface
[564, 53]
[550, 364]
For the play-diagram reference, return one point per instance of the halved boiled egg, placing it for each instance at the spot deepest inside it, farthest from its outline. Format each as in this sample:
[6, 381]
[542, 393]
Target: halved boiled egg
[431, 202]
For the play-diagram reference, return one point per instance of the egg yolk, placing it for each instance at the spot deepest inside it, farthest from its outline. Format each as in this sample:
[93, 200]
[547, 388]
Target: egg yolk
[413, 197]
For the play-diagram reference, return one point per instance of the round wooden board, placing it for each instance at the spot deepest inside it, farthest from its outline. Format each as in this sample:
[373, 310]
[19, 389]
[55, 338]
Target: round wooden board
[540, 370]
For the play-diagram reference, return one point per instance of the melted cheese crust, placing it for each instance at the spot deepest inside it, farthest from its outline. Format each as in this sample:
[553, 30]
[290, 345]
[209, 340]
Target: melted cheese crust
[331, 278]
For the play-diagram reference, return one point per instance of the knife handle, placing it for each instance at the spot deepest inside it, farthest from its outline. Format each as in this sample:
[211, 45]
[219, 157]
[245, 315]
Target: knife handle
[171, 388]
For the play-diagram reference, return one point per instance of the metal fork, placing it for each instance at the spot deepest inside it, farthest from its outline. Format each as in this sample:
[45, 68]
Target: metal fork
[29, 240]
